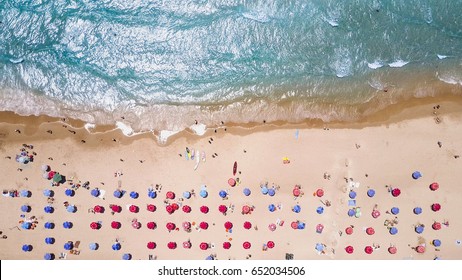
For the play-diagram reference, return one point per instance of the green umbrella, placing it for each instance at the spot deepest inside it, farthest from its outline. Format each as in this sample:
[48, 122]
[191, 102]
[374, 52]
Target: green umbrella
[57, 178]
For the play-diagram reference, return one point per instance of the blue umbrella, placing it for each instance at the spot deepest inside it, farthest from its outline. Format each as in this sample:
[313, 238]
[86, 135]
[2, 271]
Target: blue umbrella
[27, 248]
[351, 212]
[26, 225]
[152, 194]
[134, 195]
[25, 208]
[187, 195]
[393, 231]
[209, 258]
[395, 210]
[95, 192]
[319, 247]
[69, 192]
[419, 229]
[417, 210]
[117, 193]
[352, 194]
[271, 192]
[25, 193]
[436, 242]
[223, 194]
[116, 246]
[301, 225]
[49, 225]
[48, 193]
[48, 256]
[68, 246]
[127, 257]
[320, 210]
[271, 207]
[416, 175]
[297, 208]
[67, 224]
[203, 193]
[49, 240]
[246, 191]
[94, 246]
[264, 190]
[71, 209]
[370, 193]
[49, 209]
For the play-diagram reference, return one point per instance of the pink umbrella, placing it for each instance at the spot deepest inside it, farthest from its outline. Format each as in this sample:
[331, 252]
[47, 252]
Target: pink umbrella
[98, 209]
[368, 249]
[94, 225]
[296, 191]
[204, 225]
[231, 182]
[133, 208]
[115, 225]
[204, 209]
[392, 250]
[246, 209]
[246, 245]
[272, 227]
[319, 228]
[187, 244]
[171, 245]
[170, 226]
[434, 186]
[294, 225]
[228, 225]
[186, 208]
[349, 249]
[270, 244]
[175, 206]
[375, 214]
[169, 209]
[226, 245]
[222, 208]
[247, 225]
[436, 207]
[170, 195]
[136, 224]
[436, 226]
[151, 207]
[395, 192]
[370, 231]
[151, 245]
[116, 208]
[186, 225]
[349, 230]
[204, 246]
[151, 225]
[319, 192]
[420, 249]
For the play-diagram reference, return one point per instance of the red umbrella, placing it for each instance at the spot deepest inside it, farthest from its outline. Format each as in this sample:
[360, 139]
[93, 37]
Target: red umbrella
[420, 249]
[169, 209]
[375, 214]
[319, 192]
[187, 244]
[116, 208]
[370, 231]
[170, 195]
[245, 209]
[349, 230]
[204, 246]
[228, 225]
[231, 182]
[436, 207]
[98, 209]
[204, 225]
[296, 191]
[395, 192]
[246, 245]
[434, 186]
[222, 208]
[152, 245]
[226, 245]
[151, 225]
[392, 250]
[175, 206]
[94, 225]
[186, 208]
[171, 226]
[436, 226]
[294, 225]
[115, 225]
[151, 207]
[270, 244]
[204, 209]
[133, 208]
[171, 245]
[368, 250]
[349, 249]
[247, 225]
[272, 227]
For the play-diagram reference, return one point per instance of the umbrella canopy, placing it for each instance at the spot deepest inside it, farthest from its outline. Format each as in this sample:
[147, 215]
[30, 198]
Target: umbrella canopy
[228, 225]
[222, 194]
[51, 174]
[25, 193]
[436, 226]
[203, 246]
[187, 244]
[71, 209]
[186, 225]
[67, 224]
[370, 193]
[297, 208]
[204, 209]
[375, 214]
[416, 175]
[186, 208]
[48, 256]
[26, 225]
[436, 207]
[264, 189]
[349, 230]
[436, 242]
[118, 193]
[25, 208]
[116, 208]
[68, 246]
[246, 191]
[151, 245]
[272, 227]
[133, 208]
[246, 245]
[98, 209]
[169, 209]
[49, 225]
[204, 225]
[151, 207]
[395, 210]
[151, 225]
[417, 210]
[49, 240]
[370, 231]
[393, 231]
[301, 225]
[27, 248]
[48, 193]
[395, 192]
[170, 195]
[351, 212]
[152, 194]
[170, 226]
[203, 193]
[294, 225]
[222, 208]
[319, 228]
[392, 250]
[319, 247]
[231, 182]
[246, 209]
[136, 224]
[349, 249]
[115, 225]
[127, 257]
[420, 249]
[95, 192]
[271, 207]
[187, 195]
[419, 229]
[45, 168]
[134, 195]
[271, 192]
[434, 186]
[296, 191]
[319, 192]
[270, 244]
[368, 249]
[247, 225]
[116, 246]
[49, 209]
[175, 206]
[57, 178]
[226, 245]
[320, 210]
[352, 194]
[93, 246]
[171, 245]
[94, 225]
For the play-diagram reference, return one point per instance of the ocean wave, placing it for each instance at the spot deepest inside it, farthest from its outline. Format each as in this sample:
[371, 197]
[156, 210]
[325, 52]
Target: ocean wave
[375, 65]
[450, 79]
[398, 63]
[440, 56]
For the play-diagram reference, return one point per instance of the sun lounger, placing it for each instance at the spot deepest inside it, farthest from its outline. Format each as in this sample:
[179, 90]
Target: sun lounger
[62, 256]
[76, 244]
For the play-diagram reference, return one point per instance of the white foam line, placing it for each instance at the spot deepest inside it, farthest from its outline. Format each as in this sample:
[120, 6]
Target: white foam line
[89, 126]
[199, 129]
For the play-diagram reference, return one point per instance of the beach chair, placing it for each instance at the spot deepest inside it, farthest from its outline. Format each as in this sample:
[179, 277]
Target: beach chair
[101, 194]
[62, 256]
[77, 244]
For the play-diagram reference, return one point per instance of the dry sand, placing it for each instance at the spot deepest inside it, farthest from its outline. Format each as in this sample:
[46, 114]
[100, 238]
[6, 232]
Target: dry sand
[378, 152]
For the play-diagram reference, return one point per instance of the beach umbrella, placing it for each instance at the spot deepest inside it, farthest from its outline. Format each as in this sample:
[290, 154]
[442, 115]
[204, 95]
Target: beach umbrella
[416, 175]
[434, 186]
[151, 225]
[301, 225]
[270, 244]
[203, 193]
[186, 208]
[118, 193]
[375, 214]
[71, 209]
[393, 231]
[127, 257]
[98, 209]
[26, 225]
[436, 226]
[46, 175]
[171, 245]
[204, 209]
[246, 245]
[134, 195]
[222, 209]
[271, 207]
[271, 192]
[436, 242]
[67, 224]
[228, 225]
[94, 225]
[419, 229]
[204, 225]
[226, 245]
[115, 225]
[395, 210]
[133, 208]
[48, 256]
[436, 207]
[395, 192]
[320, 210]
[351, 212]
[296, 191]
[49, 240]
[95, 192]
[51, 174]
[349, 249]
[222, 194]
[231, 182]
[175, 206]
[116, 246]
[49, 225]
[25, 208]
[187, 195]
[49, 209]
[151, 207]
[136, 224]
[68, 246]
[417, 210]
[27, 248]
[319, 247]
[151, 245]
[203, 246]
[169, 209]
[246, 191]
[319, 192]
[57, 178]
[187, 244]
[319, 228]
[294, 225]
[115, 208]
[297, 208]
[272, 226]
[370, 193]
[48, 193]
[349, 230]
[45, 168]
[25, 193]
[152, 194]
[170, 195]
[186, 225]
[392, 250]
[264, 189]
[420, 249]
[247, 225]
[370, 231]
[93, 246]
[368, 249]
[352, 194]
[170, 226]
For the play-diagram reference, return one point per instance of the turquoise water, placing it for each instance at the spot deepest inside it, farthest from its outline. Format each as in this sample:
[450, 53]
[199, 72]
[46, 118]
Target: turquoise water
[164, 64]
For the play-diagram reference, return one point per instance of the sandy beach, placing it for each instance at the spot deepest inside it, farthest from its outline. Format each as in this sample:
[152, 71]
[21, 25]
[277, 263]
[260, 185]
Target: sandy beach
[380, 153]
